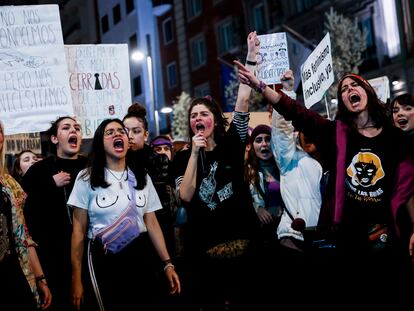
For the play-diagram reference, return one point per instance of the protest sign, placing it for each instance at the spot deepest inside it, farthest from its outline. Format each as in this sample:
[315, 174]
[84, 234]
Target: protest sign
[381, 86]
[19, 142]
[99, 82]
[273, 59]
[317, 72]
[34, 88]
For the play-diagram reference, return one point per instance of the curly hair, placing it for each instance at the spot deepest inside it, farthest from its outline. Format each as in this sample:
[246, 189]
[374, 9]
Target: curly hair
[220, 120]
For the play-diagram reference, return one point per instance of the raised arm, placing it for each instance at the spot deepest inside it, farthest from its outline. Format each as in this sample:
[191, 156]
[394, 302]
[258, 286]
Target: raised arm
[243, 94]
[283, 138]
[247, 77]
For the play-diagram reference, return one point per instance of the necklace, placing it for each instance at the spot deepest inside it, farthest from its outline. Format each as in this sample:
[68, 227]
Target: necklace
[119, 179]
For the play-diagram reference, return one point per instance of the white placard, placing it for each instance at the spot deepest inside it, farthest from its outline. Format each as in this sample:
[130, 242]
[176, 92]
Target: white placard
[381, 86]
[273, 59]
[317, 72]
[34, 88]
[100, 83]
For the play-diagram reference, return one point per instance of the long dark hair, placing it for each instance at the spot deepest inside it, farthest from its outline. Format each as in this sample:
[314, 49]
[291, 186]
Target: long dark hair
[220, 120]
[97, 160]
[52, 131]
[376, 108]
[17, 170]
[251, 169]
[405, 99]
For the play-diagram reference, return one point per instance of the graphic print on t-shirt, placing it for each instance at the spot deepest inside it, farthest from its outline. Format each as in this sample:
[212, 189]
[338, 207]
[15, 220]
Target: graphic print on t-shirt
[208, 187]
[364, 171]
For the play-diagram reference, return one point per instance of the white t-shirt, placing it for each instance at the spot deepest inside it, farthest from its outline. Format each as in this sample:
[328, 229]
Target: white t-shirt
[104, 205]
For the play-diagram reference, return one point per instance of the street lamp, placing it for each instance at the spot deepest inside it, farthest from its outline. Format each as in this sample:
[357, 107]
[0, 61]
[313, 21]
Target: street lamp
[166, 110]
[151, 85]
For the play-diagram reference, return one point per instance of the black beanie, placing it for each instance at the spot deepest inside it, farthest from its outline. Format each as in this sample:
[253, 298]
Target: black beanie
[260, 129]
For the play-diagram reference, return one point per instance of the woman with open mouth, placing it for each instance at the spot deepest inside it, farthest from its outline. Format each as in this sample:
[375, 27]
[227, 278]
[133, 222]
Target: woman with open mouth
[102, 194]
[402, 108]
[48, 184]
[263, 176]
[371, 178]
[222, 223]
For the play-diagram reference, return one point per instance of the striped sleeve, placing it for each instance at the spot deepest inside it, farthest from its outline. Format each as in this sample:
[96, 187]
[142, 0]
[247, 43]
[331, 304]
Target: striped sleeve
[241, 123]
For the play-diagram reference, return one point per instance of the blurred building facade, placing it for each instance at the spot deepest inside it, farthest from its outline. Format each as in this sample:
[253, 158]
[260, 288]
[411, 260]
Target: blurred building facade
[78, 19]
[207, 34]
[193, 42]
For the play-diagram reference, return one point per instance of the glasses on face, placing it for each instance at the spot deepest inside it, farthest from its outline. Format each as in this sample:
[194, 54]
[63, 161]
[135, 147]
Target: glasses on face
[112, 132]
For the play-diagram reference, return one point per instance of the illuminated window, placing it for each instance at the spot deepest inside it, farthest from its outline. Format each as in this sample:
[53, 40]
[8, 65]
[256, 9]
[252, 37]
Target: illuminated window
[392, 36]
[167, 26]
[198, 52]
[225, 35]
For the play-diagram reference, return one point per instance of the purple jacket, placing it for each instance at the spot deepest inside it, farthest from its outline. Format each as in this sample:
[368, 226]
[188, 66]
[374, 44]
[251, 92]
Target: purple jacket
[330, 137]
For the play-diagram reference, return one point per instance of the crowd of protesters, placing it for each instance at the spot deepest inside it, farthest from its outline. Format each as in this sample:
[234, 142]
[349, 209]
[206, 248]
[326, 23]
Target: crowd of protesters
[262, 217]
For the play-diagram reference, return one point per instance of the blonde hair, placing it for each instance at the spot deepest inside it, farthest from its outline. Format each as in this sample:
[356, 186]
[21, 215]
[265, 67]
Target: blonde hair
[2, 152]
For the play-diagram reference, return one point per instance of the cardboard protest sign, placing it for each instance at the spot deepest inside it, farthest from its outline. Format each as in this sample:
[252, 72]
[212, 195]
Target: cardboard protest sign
[273, 59]
[19, 142]
[317, 72]
[381, 86]
[99, 82]
[34, 88]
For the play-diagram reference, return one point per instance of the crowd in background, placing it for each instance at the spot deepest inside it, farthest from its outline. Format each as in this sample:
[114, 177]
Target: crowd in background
[230, 219]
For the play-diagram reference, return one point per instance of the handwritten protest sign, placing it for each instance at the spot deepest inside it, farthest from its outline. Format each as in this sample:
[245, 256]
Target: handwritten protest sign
[20, 142]
[381, 86]
[34, 88]
[99, 83]
[273, 59]
[317, 72]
